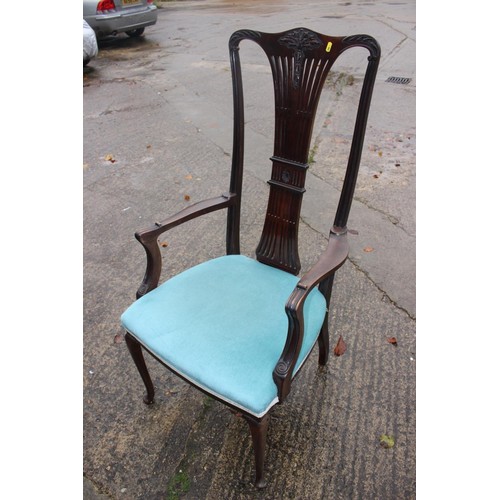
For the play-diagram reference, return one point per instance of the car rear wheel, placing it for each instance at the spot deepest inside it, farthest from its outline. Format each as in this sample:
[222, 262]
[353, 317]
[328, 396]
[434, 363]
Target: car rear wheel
[134, 33]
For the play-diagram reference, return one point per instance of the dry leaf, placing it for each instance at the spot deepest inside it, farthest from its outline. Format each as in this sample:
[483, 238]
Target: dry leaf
[352, 231]
[189, 177]
[386, 441]
[148, 146]
[368, 249]
[380, 153]
[340, 348]
[164, 244]
[375, 176]
[187, 197]
[392, 340]
[109, 158]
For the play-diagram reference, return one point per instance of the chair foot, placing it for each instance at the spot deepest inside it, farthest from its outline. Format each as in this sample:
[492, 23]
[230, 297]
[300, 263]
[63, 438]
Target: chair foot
[135, 350]
[260, 484]
[148, 400]
[258, 430]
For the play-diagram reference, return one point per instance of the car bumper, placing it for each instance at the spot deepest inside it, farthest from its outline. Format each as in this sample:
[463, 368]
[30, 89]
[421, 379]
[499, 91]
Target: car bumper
[113, 23]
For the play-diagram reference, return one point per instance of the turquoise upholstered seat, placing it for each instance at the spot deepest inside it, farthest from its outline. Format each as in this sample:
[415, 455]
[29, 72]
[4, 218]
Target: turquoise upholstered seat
[222, 325]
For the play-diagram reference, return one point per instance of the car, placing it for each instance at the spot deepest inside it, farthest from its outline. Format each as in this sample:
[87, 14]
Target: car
[90, 48]
[110, 17]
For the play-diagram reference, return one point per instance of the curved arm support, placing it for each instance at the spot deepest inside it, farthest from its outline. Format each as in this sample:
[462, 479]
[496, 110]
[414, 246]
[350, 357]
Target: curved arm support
[149, 237]
[333, 257]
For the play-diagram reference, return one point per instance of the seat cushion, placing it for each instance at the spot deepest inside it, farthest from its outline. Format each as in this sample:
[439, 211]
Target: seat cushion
[222, 325]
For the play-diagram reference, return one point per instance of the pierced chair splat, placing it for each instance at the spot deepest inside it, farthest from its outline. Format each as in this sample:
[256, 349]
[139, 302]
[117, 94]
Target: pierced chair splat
[238, 328]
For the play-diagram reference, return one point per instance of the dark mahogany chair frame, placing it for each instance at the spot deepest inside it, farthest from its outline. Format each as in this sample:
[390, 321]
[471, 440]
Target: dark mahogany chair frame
[300, 60]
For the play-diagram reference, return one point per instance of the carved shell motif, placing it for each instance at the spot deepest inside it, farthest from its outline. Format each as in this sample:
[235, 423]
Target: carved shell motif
[300, 41]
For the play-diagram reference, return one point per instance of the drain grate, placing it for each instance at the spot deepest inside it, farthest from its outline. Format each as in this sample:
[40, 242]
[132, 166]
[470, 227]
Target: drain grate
[398, 79]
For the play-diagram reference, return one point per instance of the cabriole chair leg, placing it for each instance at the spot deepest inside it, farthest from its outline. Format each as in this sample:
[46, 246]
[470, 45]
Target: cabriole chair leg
[135, 350]
[324, 344]
[325, 288]
[258, 429]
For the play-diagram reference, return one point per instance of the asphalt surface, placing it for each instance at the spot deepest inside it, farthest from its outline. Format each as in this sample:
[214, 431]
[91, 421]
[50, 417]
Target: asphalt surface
[157, 135]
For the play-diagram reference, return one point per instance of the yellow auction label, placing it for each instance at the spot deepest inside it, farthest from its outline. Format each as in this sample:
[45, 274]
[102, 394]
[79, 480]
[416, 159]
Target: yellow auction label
[329, 46]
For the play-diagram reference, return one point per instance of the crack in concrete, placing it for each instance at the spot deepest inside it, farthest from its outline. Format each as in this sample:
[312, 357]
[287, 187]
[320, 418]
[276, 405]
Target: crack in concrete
[365, 273]
[389, 25]
[392, 219]
[96, 492]
[383, 292]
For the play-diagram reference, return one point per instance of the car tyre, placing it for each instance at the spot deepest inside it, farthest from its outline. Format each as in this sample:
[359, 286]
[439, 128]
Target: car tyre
[135, 33]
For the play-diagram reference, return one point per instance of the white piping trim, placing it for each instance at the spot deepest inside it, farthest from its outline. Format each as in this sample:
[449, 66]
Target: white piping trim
[210, 391]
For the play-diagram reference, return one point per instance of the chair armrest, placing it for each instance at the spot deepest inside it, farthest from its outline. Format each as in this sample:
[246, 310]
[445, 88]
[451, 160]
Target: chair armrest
[334, 256]
[149, 237]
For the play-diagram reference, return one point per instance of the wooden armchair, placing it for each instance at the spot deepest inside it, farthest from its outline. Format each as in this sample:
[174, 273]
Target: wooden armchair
[239, 329]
